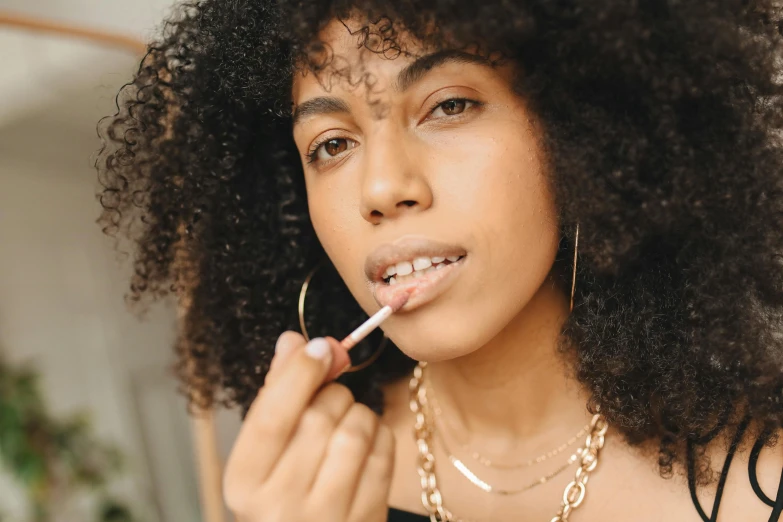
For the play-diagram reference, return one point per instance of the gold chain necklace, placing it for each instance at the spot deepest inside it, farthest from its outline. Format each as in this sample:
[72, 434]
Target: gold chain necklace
[438, 411]
[474, 479]
[483, 485]
[431, 497]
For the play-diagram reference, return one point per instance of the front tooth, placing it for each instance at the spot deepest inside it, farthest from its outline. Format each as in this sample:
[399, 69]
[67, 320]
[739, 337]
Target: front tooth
[391, 270]
[420, 263]
[417, 274]
[452, 258]
[438, 259]
[392, 281]
[442, 265]
[404, 268]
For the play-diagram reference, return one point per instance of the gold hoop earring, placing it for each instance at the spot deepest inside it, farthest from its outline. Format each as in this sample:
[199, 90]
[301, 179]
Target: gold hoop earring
[573, 278]
[303, 293]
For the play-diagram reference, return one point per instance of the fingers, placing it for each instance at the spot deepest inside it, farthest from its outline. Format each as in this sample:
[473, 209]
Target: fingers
[345, 458]
[286, 343]
[293, 432]
[340, 360]
[298, 467]
[274, 415]
[372, 496]
[289, 341]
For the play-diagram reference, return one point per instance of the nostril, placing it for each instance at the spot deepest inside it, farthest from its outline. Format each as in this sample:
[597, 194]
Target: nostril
[375, 215]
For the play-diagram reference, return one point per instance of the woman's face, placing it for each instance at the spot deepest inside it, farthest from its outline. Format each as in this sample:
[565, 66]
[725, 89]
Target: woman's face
[406, 161]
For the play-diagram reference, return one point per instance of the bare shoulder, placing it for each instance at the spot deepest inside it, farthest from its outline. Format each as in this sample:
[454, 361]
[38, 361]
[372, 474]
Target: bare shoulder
[630, 486]
[753, 488]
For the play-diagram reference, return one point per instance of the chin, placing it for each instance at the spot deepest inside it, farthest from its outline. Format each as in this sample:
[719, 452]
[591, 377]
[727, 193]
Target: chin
[436, 336]
[433, 354]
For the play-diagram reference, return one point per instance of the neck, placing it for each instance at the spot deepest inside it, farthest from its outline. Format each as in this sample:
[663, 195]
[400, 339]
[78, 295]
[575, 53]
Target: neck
[516, 386]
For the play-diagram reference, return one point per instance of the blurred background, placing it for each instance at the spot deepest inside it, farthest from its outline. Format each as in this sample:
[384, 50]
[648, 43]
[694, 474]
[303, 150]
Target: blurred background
[91, 424]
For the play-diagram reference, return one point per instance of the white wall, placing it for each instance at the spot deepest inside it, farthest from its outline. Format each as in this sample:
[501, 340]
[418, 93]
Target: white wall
[62, 284]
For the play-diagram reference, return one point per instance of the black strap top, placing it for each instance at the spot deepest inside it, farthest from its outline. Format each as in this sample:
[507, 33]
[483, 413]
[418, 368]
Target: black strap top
[396, 515]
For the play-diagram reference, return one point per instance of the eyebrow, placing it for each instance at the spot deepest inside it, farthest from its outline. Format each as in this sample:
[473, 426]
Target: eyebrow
[406, 78]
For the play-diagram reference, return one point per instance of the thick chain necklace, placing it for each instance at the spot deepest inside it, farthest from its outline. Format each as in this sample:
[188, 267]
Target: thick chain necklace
[431, 497]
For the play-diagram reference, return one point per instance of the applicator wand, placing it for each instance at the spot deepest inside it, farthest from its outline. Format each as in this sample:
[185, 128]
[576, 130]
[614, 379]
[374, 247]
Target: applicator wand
[375, 321]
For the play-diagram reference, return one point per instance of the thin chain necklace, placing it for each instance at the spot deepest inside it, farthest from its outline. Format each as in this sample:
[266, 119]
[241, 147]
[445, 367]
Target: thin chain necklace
[469, 474]
[431, 497]
[483, 485]
[438, 411]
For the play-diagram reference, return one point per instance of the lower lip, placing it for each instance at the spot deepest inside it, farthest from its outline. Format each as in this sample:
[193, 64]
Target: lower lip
[422, 289]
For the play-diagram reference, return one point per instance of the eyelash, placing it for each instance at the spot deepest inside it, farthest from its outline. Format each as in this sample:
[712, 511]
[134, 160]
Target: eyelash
[313, 152]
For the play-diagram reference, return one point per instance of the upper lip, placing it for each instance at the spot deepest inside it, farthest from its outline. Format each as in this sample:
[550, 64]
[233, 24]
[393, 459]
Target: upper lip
[406, 248]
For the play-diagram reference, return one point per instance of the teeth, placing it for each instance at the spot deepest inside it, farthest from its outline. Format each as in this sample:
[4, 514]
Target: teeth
[420, 263]
[420, 266]
[404, 268]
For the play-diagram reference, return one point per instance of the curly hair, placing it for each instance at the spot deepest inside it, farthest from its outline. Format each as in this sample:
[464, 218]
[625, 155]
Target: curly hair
[661, 122]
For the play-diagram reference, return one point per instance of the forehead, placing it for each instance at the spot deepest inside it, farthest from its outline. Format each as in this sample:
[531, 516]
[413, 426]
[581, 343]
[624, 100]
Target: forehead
[353, 55]
[373, 62]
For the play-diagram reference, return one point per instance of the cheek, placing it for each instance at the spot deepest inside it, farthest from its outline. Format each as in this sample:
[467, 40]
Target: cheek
[522, 219]
[334, 216]
[503, 197]
[498, 188]
[329, 212]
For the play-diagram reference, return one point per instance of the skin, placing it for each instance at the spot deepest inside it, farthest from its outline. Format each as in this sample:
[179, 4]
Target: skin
[472, 174]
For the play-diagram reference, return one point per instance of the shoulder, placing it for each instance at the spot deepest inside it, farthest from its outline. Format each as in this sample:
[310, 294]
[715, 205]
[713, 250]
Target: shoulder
[749, 481]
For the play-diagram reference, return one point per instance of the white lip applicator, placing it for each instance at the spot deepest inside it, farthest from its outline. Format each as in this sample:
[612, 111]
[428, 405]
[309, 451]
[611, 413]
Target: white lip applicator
[375, 321]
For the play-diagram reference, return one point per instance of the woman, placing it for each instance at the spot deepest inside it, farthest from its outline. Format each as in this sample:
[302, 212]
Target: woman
[586, 194]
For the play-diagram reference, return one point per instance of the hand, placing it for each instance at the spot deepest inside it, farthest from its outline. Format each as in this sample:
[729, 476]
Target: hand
[307, 451]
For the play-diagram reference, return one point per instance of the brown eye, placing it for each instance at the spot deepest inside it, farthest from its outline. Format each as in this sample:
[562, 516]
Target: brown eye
[335, 146]
[453, 107]
[327, 150]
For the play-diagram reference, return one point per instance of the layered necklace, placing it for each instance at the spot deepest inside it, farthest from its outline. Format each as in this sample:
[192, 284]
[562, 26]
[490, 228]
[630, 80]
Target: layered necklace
[423, 403]
[466, 472]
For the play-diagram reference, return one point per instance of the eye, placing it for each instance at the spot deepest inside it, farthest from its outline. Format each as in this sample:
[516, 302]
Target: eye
[452, 107]
[328, 149]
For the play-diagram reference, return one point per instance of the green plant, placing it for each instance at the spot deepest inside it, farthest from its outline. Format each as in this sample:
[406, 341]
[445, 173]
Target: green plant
[53, 458]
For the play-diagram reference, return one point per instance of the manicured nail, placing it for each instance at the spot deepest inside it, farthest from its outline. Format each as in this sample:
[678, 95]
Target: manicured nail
[318, 348]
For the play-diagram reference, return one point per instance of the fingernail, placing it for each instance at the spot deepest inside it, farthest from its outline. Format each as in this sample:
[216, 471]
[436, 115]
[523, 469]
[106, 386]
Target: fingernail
[318, 348]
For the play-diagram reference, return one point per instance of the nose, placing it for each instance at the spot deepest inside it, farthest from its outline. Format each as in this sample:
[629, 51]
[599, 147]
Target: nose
[394, 180]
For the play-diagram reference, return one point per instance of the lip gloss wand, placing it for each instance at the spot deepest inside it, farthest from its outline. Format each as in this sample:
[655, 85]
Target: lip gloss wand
[375, 321]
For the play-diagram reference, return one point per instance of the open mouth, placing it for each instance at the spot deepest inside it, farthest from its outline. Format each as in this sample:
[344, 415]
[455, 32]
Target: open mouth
[406, 271]
[423, 283]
